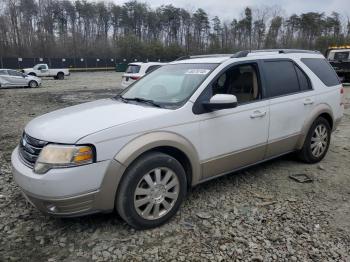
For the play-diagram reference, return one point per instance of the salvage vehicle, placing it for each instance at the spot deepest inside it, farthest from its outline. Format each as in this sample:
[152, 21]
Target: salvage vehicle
[339, 58]
[135, 71]
[187, 122]
[13, 78]
[43, 70]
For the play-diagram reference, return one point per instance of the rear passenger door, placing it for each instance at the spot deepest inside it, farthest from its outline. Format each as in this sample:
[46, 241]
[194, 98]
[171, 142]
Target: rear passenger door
[291, 98]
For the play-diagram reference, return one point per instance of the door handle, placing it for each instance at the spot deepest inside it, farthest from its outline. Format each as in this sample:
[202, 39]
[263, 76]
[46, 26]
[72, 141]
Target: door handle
[308, 101]
[257, 114]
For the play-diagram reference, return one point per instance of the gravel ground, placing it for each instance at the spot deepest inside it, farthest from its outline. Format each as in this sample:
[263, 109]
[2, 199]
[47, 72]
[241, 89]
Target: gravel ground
[256, 215]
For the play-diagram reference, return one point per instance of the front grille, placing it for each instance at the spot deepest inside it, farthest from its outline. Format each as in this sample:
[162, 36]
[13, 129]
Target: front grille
[30, 148]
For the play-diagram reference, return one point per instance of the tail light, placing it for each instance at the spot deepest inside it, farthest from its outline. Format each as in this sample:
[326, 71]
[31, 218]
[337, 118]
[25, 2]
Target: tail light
[135, 77]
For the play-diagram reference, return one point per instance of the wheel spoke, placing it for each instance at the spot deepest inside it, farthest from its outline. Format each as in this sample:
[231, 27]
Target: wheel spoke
[158, 175]
[313, 145]
[166, 204]
[149, 180]
[156, 210]
[172, 183]
[172, 195]
[142, 201]
[166, 178]
[317, 131]
[147, 209]
[142, 191]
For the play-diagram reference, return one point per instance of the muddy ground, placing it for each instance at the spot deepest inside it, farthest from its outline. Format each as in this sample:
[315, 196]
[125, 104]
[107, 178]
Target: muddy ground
[259, 214]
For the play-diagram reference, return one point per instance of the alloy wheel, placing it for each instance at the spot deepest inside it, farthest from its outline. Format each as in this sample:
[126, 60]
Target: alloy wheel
[156, 193]
[319, 140]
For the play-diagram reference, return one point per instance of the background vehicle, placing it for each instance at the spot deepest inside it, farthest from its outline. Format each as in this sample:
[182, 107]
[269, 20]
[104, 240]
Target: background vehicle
[135, 71]
[188, 122]
[339, 58]
[43, 70]
[13, 78]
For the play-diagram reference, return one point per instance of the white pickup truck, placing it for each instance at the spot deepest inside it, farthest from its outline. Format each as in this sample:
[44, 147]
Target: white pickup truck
[42, 70]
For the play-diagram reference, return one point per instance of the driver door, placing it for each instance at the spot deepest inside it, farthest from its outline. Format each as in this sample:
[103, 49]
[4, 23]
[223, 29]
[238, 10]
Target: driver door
[44, 71]
[236, 137]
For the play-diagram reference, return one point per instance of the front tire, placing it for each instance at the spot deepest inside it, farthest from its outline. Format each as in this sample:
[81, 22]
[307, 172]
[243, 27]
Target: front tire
[33, 84]
[317, 141]
[151, 191]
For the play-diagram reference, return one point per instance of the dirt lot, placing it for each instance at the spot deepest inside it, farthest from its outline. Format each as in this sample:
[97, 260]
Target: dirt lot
[256, 215]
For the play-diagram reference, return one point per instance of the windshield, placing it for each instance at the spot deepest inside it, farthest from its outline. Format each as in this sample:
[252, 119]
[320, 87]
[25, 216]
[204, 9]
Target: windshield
[170, 85]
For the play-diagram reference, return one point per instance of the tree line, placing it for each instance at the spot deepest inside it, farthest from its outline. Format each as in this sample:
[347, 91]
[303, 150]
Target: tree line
[80, 28]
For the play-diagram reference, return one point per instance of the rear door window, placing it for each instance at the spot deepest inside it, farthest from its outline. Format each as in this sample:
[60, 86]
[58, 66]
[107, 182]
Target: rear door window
[304, 81]
[133, 69]
[281, 78]
[323, 70]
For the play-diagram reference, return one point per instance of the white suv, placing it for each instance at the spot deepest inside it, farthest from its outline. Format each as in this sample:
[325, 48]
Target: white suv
[135, 71]
[185, 123]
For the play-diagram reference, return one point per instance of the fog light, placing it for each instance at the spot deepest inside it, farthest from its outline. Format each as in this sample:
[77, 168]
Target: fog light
[52, 208]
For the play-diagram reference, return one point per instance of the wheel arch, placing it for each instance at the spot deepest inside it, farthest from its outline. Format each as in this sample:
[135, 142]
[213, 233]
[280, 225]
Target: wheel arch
[169, 143]
[322, 110]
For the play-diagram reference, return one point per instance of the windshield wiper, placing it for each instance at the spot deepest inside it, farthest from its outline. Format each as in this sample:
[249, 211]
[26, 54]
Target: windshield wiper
[121, 98]
[141, 100]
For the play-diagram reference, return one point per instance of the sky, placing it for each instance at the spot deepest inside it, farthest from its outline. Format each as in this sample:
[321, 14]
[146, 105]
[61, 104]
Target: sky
[229, 9]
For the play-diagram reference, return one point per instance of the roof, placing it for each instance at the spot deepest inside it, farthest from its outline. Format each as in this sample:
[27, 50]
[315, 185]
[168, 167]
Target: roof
[247, 55]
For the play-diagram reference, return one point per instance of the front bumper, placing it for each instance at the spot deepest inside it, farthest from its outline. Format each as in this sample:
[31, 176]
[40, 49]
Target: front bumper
[71, 191]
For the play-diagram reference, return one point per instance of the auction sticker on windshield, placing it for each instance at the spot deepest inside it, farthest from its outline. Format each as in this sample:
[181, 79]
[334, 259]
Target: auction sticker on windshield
[197, 71]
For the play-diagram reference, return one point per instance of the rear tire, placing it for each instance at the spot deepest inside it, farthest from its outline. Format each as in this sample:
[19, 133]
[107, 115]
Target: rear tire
[151, 191]
[33, 84]
[317, 142]
[60, 76]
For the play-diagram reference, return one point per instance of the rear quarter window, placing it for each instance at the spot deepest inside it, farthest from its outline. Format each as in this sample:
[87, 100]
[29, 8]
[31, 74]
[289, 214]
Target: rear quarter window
[323, 70]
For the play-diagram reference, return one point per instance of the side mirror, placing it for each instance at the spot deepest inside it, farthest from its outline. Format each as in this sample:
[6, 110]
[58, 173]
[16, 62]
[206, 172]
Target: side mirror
[221, 101]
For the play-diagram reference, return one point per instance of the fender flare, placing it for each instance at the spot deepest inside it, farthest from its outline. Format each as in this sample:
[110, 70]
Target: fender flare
[313, 115]
[149, 141]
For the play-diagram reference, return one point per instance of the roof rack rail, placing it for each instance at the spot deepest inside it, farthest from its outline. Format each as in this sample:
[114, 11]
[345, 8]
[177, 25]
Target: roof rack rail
[202, 56]
[279, 51]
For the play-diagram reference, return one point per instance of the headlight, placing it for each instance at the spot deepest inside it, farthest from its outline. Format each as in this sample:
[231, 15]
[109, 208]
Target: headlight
[58, 156]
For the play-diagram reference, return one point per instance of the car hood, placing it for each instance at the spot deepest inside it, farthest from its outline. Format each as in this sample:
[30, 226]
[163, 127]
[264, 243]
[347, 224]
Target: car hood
[70, 124]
